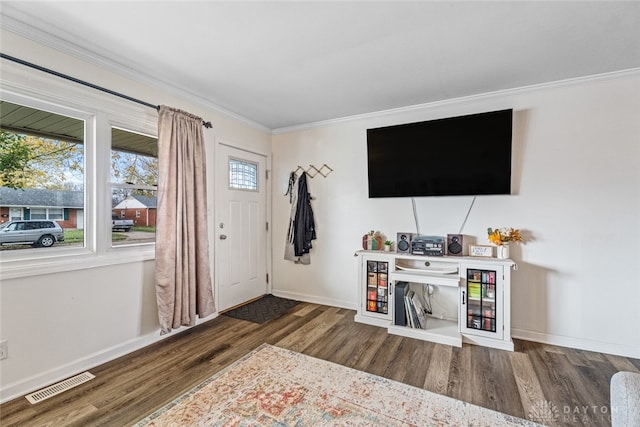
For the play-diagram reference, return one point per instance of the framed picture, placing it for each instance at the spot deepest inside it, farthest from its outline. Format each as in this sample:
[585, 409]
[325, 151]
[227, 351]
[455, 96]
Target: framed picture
[481, 250]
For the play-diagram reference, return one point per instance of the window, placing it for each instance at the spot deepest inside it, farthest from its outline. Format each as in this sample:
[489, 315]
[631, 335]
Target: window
[243, 175]
[55, 213]
[46, 213]
[38, 213]
[134, 178]
[45, 176]
[39, 129]
[15, 214]
[16, 226]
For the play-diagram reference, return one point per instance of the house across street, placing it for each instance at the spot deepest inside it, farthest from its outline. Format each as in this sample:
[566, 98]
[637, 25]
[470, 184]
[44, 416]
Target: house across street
[67, 209]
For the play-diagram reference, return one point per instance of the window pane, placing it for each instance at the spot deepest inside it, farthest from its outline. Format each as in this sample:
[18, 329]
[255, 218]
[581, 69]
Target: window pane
[55, 214]
[134, 158]
[134, 177]
[38, 213]
[243, 175]
[127, 227]
[45, 176]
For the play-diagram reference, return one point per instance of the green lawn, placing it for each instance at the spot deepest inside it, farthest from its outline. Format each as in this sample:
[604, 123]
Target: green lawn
[77, 236]
[147, 229]
[73, 236]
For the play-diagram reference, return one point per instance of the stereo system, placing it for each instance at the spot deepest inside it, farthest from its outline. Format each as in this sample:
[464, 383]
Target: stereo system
[427, 245]
[408, 243]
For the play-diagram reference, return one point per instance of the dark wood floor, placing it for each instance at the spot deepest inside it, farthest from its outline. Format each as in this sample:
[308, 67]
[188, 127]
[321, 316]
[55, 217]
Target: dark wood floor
[574, 383]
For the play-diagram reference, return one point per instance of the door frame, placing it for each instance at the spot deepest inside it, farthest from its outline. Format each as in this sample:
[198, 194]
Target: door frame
[213, 230]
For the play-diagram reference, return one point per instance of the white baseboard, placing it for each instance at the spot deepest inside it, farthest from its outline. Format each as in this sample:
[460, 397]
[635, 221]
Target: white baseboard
[36, 382]
[43, 379]
[578, 343]
[315, 299]
[561, 341]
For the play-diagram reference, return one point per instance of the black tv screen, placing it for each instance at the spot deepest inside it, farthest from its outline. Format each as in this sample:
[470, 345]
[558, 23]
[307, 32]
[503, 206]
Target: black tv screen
[457, 156]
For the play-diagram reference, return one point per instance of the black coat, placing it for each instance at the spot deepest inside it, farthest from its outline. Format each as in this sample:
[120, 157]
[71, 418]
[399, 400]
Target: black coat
[304, 224]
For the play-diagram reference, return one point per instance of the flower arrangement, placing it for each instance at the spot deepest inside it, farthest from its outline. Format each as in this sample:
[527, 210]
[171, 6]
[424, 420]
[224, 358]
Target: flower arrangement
[501, 236]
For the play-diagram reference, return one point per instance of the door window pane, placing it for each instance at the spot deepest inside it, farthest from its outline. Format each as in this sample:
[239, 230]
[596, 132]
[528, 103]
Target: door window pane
[243, 175]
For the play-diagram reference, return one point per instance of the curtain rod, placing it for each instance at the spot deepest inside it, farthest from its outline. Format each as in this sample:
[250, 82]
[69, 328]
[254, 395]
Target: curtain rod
[91, 85]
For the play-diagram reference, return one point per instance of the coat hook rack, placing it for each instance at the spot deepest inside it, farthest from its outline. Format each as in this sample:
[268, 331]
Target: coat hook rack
[312, 170]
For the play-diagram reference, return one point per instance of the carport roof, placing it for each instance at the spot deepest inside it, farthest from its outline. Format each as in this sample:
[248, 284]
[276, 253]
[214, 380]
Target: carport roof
[31, 121]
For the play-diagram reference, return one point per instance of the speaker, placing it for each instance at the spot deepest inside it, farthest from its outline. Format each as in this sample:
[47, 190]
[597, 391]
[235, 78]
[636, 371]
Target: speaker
[454, 244]
[403, 243]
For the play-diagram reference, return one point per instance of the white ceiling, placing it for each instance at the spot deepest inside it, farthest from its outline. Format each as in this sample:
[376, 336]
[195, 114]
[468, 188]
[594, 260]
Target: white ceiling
[283, 64]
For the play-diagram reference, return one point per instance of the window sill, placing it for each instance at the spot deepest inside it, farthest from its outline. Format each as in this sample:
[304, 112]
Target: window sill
[72, 259]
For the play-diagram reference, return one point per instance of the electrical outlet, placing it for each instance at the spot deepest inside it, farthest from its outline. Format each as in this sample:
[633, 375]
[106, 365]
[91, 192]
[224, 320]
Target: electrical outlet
[4, 349]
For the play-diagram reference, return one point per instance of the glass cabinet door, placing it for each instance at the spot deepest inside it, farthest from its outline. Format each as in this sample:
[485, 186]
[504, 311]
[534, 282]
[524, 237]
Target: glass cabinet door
[377, 287]
[481, 302]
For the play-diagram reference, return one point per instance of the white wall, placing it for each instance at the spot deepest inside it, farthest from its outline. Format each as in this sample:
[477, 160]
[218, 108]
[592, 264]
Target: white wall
[576, 175]
[61, 323]
[576, 163]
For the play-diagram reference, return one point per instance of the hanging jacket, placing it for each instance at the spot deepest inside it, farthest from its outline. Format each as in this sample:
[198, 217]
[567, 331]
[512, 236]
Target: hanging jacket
[304, 224]
[292, 191]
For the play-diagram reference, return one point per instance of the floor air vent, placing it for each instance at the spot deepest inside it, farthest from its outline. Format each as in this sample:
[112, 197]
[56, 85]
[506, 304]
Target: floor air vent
[58, 388]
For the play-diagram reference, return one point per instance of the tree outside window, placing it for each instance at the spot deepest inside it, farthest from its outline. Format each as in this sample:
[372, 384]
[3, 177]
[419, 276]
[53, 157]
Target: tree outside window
[42, 169]
[42, 175]
[134, 178]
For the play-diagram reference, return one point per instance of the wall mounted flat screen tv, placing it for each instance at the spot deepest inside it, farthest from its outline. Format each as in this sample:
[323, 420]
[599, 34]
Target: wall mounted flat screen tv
[457, 156]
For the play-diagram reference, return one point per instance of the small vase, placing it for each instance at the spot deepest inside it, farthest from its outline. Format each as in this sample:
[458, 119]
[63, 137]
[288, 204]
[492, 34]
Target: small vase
[387, 248]
[503, 251]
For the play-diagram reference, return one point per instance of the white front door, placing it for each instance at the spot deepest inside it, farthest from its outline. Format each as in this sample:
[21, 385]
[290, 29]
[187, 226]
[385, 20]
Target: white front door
[240, 226]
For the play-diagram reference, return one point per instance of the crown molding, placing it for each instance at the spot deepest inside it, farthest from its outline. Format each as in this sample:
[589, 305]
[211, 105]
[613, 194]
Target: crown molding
[578, 81]
[43, 33]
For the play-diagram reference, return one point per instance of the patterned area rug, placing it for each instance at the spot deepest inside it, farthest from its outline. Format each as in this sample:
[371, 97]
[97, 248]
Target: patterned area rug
[276, 387]
[267, 308]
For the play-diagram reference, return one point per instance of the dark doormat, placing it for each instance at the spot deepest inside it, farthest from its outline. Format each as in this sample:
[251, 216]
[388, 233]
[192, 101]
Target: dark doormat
[267, 308]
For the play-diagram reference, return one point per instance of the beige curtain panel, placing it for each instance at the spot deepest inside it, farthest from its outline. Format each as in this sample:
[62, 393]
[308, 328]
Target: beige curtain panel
[183, 275]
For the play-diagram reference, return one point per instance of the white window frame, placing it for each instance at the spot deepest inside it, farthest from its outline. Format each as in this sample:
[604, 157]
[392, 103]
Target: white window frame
[100, 112]
[114, 185]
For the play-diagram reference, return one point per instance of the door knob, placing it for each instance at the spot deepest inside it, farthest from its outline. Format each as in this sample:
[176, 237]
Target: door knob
[223, 237]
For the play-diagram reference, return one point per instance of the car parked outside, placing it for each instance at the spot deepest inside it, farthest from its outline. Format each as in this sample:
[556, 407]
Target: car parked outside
[36, 232]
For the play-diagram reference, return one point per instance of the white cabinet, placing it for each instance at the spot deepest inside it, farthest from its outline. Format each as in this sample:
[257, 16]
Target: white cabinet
[485, 308]
[374, 290]
[454, 299]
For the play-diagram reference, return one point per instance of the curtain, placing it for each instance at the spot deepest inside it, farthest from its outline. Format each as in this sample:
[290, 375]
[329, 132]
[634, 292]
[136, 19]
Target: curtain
[183, 275]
